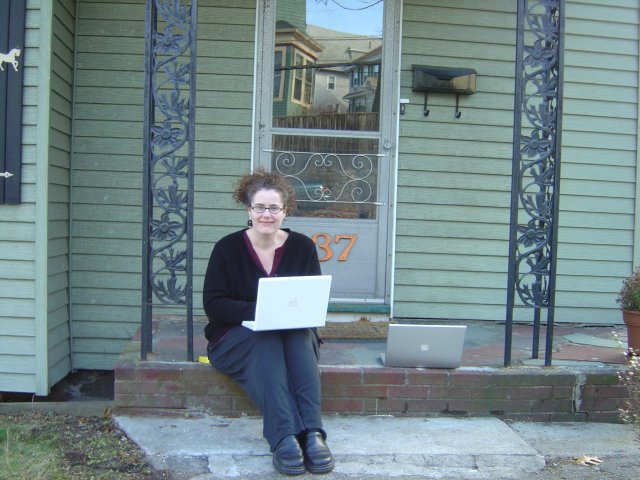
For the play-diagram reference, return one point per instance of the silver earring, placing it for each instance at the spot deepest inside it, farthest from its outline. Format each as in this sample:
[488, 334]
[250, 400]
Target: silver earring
[250, 223]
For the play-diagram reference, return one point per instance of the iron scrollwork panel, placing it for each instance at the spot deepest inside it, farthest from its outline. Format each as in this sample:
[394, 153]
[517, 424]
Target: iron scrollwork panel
[168, 156]
[539, 154]
[170, 152]
[536, 167]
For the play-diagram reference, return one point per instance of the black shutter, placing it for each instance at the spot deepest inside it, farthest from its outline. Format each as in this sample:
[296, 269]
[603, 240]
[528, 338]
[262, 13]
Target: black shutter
[12, 24]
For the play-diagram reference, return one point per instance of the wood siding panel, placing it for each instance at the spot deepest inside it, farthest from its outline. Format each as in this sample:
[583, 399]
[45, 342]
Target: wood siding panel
[17, 346]
[97, 361]
[18, 270]
[17, 232]
[17, 240]
[13, 326]
[101, 319]
[17, 251]
[17, 288]
[16, 382]
[107, 176]
[454, 175]
[107, 180]
[58, 338]
[602, 183]
[19, 308]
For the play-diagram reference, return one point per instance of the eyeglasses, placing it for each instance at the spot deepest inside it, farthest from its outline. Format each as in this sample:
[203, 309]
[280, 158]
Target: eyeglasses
[274, 210]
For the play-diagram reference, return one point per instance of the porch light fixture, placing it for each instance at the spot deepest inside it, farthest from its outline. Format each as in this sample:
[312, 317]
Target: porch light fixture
[458, 81]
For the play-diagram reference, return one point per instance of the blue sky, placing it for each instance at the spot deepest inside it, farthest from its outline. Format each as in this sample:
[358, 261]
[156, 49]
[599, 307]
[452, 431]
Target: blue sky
[329, 14]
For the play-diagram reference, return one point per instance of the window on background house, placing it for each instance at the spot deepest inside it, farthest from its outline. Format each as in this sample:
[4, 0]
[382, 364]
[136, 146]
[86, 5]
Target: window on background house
[331, 82]
[308, 83]
[278, 81]
[302, 79]
[355, 77]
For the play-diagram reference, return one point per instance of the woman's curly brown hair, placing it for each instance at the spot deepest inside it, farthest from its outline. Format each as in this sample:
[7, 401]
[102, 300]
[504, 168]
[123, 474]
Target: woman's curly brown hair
[260, 179]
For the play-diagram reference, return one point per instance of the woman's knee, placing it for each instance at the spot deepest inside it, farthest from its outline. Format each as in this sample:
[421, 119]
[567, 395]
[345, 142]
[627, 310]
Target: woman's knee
[230, 354]
[300, 340]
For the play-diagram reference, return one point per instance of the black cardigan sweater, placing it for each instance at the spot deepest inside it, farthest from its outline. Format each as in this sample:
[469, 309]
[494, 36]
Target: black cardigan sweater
[231, 282]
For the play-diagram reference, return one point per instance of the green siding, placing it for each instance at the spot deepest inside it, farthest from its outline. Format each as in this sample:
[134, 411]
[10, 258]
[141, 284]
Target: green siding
[599, 159]
[223, 124]
[58, 338]
[34, 346]
[17, 239]
[107, 164]
[454, 175]
[106, 198]
[34, 319]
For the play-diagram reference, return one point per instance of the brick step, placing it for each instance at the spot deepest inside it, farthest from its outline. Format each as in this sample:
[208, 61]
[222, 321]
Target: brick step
[521, 393]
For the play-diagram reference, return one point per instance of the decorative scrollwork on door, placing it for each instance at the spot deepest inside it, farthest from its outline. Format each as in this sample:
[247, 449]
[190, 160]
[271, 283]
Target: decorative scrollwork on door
[329, 177]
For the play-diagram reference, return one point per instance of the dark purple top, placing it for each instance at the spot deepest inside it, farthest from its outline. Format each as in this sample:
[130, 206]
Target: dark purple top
[256, 259]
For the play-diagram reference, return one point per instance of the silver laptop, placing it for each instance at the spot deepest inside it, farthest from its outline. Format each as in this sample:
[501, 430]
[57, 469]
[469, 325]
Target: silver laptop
[428, 346]
[291, 302]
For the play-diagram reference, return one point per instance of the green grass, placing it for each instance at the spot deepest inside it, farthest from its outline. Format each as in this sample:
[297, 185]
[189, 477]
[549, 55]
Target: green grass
[25, 455]
[47, 446]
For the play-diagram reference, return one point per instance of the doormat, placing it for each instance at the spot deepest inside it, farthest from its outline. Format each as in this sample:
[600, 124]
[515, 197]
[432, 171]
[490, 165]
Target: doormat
[361, 330]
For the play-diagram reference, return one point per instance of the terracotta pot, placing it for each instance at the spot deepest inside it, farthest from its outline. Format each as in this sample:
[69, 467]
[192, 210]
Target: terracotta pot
[632, 321]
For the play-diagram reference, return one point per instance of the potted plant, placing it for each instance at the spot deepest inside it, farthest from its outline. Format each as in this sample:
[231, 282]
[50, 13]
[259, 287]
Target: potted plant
[629, 300]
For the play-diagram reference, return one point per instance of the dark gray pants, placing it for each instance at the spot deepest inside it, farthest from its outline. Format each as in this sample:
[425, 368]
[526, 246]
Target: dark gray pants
[279, 371]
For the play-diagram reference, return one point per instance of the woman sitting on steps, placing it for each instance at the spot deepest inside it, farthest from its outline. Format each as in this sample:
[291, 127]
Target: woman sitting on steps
[277, 369]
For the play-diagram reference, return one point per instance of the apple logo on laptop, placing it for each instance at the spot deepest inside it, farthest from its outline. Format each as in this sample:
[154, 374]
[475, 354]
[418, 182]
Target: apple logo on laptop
[424, 347]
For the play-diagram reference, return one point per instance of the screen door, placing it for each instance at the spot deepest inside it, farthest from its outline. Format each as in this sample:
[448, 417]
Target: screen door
[327, 123]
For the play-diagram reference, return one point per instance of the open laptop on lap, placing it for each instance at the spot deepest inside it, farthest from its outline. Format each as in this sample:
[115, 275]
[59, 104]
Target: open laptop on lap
[291, 302]
[428, 346]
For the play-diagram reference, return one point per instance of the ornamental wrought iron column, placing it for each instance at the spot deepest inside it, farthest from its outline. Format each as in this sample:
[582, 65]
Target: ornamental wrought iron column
[535, 192]
[168, 155]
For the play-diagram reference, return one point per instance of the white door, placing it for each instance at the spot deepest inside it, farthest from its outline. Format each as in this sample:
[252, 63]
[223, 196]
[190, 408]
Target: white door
[327, 121]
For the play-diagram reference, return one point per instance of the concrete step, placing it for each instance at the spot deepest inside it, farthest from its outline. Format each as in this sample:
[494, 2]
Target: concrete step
[214, 447]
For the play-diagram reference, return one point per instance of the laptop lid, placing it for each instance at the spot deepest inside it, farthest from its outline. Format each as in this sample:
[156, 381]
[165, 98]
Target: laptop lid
[428, 346]
[291, 302]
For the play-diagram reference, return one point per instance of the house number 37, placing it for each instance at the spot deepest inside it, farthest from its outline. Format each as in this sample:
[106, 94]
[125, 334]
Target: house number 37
[324, 242]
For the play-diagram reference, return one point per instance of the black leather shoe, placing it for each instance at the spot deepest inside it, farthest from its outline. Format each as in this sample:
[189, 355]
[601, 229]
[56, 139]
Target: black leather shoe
[288, 457]
[317, 456]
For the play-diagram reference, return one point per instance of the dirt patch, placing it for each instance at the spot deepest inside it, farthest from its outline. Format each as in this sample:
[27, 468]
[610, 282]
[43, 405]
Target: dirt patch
[80, 448]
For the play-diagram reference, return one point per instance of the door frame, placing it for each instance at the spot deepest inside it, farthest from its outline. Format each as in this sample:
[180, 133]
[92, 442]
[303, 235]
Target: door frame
[389, 123]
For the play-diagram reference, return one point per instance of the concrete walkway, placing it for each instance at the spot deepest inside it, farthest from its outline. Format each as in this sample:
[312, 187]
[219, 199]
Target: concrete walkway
[212, 447]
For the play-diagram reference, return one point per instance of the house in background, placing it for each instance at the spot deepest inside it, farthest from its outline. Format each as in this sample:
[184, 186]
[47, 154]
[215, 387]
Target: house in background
[294, 54]
[424, 235]
[364, 75]
[340, 50]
